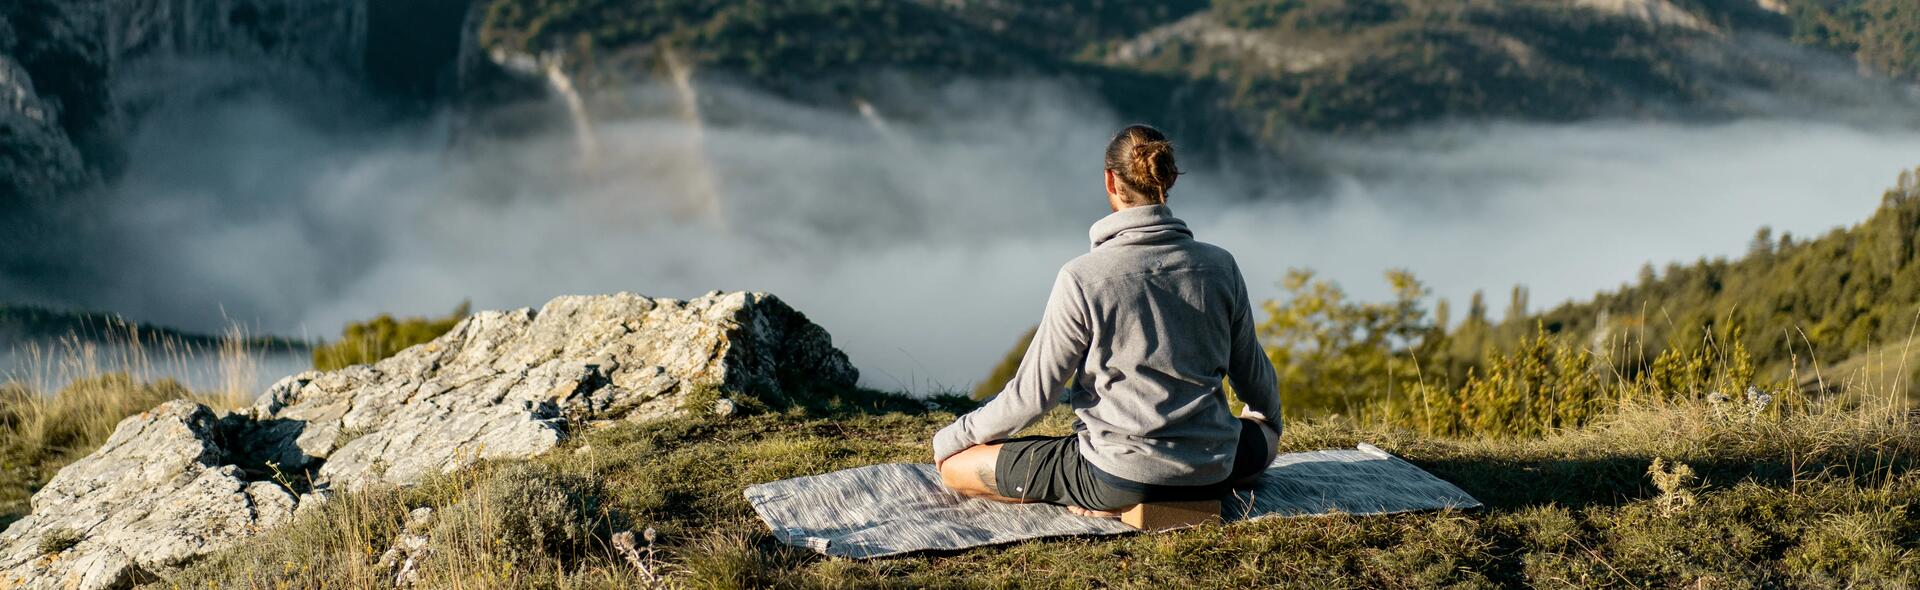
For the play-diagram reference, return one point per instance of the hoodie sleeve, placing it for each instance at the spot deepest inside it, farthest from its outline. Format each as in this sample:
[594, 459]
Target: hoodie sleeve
[1058, 349]
[1248, 367]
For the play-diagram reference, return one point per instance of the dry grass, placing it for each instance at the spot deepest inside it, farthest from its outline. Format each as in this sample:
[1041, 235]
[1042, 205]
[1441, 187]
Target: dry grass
[100, 386]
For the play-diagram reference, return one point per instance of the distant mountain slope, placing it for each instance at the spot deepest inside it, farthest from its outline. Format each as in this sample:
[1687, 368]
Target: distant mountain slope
[1883, 35]
[1255, 69]
[1829, 299]
[22, 324]
[1259, 67]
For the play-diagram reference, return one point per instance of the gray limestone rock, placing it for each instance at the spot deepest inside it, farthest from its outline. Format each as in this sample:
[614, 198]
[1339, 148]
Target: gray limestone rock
[158, 493]
[178, 482]
[510, 384]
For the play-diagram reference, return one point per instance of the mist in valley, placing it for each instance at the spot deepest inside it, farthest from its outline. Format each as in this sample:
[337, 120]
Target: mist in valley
[924, 242]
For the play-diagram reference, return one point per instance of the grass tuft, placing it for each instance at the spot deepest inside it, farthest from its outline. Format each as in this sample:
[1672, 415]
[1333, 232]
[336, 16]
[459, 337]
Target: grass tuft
[58, 541]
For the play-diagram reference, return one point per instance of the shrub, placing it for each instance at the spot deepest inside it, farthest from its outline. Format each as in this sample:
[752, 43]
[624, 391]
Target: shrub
[1332, 354]
[524, 515]
[369, 341]
[1543, 385]
[1003, 371]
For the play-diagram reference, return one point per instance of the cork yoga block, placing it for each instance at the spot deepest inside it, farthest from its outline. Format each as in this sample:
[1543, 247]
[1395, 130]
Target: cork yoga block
[1161, 516]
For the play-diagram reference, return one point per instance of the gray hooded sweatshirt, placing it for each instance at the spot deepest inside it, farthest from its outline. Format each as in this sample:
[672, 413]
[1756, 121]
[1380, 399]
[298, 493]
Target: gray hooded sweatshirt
[1152, 320]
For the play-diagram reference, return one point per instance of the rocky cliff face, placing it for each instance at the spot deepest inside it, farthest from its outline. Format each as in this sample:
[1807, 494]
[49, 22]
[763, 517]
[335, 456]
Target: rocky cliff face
[52, 82]
[71, 69]
[319, 35]
[37, 158]
[179, 482]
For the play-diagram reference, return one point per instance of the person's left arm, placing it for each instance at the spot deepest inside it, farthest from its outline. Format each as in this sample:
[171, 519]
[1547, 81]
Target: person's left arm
[1248, 367]
[1058, 349]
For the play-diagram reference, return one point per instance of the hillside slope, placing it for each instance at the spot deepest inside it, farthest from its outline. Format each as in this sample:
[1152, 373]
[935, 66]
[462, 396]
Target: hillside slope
[1241, 70]
[1256, 68]
[1796, 301]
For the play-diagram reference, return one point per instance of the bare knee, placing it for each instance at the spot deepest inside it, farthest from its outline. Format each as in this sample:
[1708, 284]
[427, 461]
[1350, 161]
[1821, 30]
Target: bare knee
[950, 474]
[970, 473]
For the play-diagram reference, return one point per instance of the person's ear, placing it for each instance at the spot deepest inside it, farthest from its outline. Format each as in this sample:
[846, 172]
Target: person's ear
[1113, 186]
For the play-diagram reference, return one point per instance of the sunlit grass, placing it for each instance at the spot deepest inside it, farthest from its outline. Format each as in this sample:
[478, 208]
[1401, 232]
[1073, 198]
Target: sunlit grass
[101, 383]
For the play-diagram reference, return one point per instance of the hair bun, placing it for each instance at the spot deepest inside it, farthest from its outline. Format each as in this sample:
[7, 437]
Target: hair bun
[1143, 159]
[1149, 163]
[1151, 167]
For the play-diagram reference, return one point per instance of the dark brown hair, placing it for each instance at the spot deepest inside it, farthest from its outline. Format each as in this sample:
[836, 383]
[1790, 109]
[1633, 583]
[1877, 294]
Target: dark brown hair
[1143, 159]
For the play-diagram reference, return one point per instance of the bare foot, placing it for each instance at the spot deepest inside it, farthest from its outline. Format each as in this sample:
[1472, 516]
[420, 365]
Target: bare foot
[1092, 513]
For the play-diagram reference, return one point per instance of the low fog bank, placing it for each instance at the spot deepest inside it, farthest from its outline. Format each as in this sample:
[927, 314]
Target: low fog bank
[924, 246]
[49, 367]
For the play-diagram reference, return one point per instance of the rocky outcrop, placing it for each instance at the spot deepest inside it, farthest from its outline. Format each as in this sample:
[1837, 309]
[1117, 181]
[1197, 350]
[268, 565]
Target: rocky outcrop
[1203, 32]
[511, 384]
[162, 490]
[74, 73]
[178, 482]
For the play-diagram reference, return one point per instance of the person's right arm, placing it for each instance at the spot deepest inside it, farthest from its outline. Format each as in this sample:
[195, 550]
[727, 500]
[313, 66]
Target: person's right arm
[1248, 367]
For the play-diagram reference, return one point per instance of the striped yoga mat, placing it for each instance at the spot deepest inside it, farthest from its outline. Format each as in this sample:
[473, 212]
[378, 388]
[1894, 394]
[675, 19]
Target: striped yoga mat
[882, 510]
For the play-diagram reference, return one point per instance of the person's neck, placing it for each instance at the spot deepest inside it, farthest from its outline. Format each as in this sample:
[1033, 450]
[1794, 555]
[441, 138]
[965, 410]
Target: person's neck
[1118, 206]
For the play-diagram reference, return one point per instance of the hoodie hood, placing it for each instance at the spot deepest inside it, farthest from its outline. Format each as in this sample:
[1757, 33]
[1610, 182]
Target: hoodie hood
[1139, 225]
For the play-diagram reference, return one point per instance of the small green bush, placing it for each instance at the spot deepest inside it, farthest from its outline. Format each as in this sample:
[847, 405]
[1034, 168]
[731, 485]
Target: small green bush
[526, 514]
[369, 341]
[1003, 371]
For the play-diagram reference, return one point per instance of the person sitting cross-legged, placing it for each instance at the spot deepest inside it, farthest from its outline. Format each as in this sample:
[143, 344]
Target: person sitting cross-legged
[1151, 321]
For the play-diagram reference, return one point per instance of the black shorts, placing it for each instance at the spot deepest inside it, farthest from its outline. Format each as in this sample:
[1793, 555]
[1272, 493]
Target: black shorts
[1050, 469]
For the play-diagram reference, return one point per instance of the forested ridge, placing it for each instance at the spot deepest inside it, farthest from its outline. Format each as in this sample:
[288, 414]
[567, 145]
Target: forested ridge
[1827, 298]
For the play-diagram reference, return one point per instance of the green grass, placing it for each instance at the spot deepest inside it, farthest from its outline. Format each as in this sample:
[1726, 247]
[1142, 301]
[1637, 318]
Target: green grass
[1814, 499]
